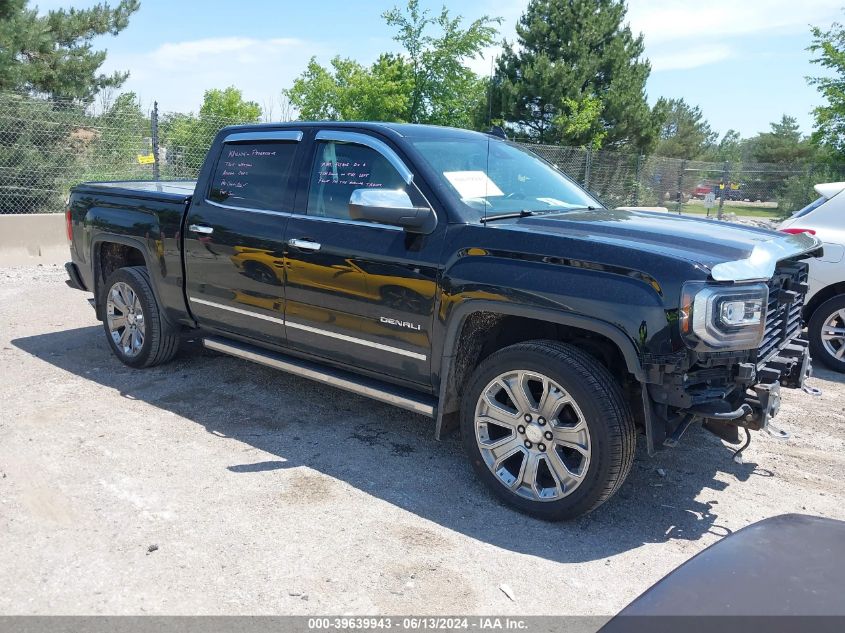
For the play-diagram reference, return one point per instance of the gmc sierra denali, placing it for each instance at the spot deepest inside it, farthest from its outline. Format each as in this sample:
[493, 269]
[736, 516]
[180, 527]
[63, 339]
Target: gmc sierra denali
[461, 277]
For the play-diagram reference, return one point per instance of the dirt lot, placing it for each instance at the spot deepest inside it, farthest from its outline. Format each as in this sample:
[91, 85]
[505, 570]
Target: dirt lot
[215, 486]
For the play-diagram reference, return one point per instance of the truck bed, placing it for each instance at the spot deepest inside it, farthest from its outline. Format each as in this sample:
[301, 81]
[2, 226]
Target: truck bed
[171, 190]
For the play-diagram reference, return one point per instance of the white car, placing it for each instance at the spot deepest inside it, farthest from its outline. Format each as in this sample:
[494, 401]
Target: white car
[825, 307]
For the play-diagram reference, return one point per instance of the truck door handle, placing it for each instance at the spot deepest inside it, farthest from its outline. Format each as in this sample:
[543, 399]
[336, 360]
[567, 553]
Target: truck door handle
[305, 245]
[198, 228]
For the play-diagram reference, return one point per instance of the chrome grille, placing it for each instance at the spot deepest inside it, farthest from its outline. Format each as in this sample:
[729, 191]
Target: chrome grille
[783, 316]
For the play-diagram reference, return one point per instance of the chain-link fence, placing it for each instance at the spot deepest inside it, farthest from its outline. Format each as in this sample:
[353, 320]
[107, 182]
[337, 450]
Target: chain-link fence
[691, 186]
[46, 147]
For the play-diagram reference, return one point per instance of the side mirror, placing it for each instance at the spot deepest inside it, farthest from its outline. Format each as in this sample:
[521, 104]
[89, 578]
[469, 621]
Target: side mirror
[390, 206]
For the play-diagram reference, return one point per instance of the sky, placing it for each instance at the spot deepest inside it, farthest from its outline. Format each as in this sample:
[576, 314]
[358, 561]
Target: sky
[744, 62]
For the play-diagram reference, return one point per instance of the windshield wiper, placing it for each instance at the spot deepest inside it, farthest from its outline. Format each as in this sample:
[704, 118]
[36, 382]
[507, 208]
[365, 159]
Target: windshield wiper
[504, 216]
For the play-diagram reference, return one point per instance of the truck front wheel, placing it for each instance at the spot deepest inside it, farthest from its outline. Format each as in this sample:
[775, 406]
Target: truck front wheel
[547, 429]
[134, 327]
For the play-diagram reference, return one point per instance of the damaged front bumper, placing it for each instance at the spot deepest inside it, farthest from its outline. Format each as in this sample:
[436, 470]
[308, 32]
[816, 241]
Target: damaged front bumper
[732, 389]
[724, 396]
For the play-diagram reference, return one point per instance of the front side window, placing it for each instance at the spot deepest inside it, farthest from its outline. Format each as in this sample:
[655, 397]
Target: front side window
[252, 175]
[341, 168]
[488, 176]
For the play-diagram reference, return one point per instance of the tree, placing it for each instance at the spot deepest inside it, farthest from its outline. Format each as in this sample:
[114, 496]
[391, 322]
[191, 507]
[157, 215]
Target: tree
[783, 144]
[426, 83]
[123, 126]
[49, 55]
[580, 121]
[569, 52]
[684, 132]
[443, 90]
[349, 91]
[52, 54]
[730, 147]
[187, 137]
[829, 48]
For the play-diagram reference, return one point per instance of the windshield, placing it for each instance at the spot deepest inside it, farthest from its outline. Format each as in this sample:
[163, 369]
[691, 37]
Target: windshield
[489, 177]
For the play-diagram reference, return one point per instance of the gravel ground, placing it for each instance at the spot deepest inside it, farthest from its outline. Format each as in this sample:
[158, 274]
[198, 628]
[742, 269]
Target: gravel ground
[215, 486]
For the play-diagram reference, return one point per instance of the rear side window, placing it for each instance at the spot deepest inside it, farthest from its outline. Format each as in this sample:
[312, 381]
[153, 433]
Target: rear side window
[252, 175]
[341, 168]
[815, 204]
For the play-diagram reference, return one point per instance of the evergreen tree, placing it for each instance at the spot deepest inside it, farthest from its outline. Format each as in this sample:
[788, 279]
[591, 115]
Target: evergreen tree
[783, 144]
[684, 133]
[52, 54]
[49, 55]
[569, 54]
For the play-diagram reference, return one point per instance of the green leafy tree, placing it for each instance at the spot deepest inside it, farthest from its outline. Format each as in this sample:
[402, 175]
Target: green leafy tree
[580, 121]
[349, 91]
[52, 54]
[427, 83]
[829, 50]
[443, 90]
[570, 51]
[684, 132]
[187, 137]
[123, 128]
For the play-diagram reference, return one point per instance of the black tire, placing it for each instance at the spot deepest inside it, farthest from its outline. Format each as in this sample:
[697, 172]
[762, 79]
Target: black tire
[612, 435]
[160, 344]
[820, 316]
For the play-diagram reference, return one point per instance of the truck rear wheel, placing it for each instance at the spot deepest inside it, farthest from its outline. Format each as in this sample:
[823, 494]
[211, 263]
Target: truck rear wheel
[547, 429]
[132, 321]
[827, 333]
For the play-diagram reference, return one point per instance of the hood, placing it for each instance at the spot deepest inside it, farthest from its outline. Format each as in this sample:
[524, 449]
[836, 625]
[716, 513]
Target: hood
[730, 252]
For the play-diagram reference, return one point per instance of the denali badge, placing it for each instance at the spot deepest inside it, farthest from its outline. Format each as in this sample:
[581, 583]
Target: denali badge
[410, 326]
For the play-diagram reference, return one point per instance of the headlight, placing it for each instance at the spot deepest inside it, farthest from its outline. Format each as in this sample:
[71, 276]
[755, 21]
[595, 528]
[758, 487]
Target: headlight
[722, 317]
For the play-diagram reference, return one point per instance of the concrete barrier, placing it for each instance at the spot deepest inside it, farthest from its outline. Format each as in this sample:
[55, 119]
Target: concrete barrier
[38, 238]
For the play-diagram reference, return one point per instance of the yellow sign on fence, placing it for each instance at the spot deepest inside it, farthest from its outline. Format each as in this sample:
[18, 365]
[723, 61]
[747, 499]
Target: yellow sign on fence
[146, 159]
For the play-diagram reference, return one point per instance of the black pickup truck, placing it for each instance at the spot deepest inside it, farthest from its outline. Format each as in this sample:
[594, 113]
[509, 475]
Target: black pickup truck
[459, 276]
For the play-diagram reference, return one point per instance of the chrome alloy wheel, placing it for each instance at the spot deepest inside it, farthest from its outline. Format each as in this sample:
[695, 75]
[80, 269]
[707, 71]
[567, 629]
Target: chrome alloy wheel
[125, 319]
[833, 335]
[532, 435]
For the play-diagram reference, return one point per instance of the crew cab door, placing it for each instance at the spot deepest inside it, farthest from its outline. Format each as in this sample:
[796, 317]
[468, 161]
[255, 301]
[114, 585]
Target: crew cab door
[359, 293]
[234, 236]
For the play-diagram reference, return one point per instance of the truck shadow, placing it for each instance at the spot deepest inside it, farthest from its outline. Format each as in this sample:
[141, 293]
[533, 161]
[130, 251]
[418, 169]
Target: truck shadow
[820, 371]
[392, 455]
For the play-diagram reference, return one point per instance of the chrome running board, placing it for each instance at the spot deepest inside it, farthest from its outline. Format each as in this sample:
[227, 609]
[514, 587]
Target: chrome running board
[369, 387]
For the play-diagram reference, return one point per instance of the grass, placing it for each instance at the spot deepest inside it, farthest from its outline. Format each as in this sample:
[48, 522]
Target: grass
[751, 211]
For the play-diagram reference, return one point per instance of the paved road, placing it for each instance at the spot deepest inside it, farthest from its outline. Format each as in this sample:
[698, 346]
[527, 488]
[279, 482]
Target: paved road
[260, 492]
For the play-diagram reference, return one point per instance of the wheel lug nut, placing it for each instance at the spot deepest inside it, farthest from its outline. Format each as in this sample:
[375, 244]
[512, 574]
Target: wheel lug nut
[542, 447]
[541, 421]
[528, 444]
[548, 435]
[520, 428]
[528, 417]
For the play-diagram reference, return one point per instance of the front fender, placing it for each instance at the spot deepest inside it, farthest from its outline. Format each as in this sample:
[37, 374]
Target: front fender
[448, 398]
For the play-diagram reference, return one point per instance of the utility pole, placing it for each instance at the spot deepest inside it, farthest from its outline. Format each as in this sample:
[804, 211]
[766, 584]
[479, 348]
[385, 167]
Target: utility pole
[154, 126]
[726, 172]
